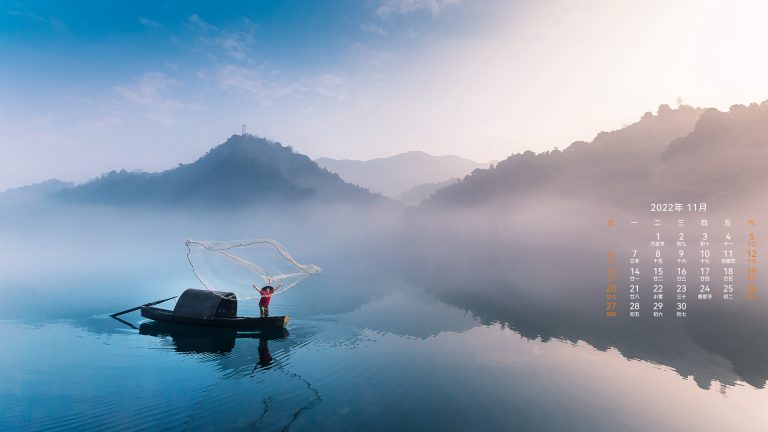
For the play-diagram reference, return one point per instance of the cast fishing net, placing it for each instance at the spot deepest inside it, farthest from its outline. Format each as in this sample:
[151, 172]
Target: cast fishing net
[235, 266]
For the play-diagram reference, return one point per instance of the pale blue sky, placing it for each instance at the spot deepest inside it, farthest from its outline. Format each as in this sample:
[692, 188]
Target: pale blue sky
[90, 86]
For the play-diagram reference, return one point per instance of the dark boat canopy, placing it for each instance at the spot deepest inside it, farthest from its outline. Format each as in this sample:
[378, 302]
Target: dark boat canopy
[204, 304]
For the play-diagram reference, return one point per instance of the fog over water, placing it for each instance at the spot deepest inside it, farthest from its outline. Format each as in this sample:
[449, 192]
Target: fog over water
[537, 267]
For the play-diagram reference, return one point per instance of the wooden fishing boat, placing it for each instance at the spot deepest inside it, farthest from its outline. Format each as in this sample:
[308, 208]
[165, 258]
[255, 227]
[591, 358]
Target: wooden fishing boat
[212, 309]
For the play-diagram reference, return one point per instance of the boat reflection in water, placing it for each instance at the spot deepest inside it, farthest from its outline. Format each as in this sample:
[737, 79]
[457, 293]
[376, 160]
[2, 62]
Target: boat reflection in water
[197, 339]
[276, 396]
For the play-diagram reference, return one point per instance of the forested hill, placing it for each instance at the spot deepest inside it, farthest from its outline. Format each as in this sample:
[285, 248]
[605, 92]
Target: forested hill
[244, 170]
[677, 154]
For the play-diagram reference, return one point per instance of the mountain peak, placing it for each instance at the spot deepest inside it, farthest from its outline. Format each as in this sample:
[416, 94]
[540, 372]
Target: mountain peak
[243, 170]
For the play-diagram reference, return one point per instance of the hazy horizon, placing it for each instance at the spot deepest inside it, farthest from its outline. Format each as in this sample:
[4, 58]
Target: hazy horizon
[215, 145]
[172, 165]
[136, 86]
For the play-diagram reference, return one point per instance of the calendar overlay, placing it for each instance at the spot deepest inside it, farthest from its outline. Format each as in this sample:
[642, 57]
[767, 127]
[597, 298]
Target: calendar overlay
[679, 256]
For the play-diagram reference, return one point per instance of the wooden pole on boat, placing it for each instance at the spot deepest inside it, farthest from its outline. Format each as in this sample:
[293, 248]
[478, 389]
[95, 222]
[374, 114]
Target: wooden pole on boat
[115, 315]
[125, 322]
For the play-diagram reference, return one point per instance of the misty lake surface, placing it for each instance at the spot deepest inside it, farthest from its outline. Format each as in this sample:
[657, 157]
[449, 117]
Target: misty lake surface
[365, 349]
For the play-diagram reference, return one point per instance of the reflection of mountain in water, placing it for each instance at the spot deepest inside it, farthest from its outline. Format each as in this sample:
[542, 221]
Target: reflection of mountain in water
[545, 278]
[721, 342]
[409, 312]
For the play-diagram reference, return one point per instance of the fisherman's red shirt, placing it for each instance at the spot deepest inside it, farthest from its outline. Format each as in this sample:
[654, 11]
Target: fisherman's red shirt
[265, 298]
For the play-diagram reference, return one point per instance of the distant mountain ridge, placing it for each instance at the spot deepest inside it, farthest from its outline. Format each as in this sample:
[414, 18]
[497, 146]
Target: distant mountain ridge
[40, 189]
[394, 175]
[242, 171]
[420, 192]
[676, 154]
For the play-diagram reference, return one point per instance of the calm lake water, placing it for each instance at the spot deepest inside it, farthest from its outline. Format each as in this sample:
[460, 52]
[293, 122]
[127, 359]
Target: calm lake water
[403, 361]
[366, 349]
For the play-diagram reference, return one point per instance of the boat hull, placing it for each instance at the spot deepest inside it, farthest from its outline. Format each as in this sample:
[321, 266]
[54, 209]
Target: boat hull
[165, 315]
